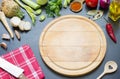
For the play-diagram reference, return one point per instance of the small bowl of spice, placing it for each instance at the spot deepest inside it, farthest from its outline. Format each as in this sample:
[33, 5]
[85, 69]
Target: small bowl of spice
[76, 5]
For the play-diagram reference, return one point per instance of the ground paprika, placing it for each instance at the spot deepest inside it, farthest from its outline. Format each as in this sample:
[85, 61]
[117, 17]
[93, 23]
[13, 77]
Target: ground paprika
[75, 6]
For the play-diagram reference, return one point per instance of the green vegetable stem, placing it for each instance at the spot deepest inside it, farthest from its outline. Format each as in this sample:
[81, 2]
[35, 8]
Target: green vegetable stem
[38, 12]
[20, 14]
[42, 2]
[29, 10]
[42, 18]
[66, 3]
[31, 4]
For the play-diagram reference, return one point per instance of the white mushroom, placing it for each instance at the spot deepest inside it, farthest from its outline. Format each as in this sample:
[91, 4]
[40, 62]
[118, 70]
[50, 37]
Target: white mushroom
[15, 21]
[27, 26]
[21, 25]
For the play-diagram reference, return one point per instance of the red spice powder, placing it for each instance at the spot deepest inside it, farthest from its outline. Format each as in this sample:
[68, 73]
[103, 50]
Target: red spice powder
[75, 6]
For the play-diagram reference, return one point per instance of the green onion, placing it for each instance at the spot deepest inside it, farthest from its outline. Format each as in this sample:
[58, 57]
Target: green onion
[66, 3]
[42, 18]
[29, 10]
[42, 2]
[38, 12]
[31, 4]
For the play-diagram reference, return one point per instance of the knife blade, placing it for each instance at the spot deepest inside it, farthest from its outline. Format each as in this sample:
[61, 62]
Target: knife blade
[12, 69]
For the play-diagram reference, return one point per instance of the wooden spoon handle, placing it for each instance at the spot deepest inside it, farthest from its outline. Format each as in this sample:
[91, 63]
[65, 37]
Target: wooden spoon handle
[82, 1]
[22, 76]
[99, 77]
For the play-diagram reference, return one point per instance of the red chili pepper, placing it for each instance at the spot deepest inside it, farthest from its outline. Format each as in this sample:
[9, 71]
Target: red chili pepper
[110, 31]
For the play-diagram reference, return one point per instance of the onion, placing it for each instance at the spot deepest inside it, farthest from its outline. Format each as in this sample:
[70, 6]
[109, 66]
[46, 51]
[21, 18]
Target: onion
[104, 4]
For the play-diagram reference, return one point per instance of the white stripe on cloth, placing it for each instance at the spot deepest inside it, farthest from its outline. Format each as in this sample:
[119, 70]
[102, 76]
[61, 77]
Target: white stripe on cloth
[29, 63]
[14, 58]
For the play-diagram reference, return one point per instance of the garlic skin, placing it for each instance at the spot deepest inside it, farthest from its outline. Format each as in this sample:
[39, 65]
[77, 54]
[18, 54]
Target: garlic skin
[15, 21]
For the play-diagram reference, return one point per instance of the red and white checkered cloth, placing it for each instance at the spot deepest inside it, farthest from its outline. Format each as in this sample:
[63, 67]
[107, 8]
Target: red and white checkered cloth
[24, 58]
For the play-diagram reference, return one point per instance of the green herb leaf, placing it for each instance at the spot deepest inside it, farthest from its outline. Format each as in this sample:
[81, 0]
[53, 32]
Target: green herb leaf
[53, 8]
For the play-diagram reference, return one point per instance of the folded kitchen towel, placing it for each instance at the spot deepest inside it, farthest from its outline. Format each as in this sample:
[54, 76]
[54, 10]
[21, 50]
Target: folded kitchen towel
[24, 58]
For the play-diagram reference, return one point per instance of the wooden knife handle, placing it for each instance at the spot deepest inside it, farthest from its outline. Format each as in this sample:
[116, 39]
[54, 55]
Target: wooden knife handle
[22, 76]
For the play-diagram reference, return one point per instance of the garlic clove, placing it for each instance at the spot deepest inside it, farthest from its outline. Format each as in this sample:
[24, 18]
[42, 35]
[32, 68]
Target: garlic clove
[17, 35]
[6, 36]
[4, 45]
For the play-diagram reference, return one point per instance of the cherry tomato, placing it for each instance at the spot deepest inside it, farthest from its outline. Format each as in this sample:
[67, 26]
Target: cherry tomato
[92, 3]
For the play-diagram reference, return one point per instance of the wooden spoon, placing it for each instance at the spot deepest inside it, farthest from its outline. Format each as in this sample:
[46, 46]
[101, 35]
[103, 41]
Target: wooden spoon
[77, 5]
[110, 67]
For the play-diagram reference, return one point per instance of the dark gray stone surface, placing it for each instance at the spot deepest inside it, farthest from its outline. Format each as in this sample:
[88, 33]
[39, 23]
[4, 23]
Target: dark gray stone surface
[32, 38]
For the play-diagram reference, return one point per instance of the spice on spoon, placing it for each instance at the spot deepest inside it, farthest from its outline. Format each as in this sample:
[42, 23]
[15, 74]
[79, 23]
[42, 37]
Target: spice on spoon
[76, 5]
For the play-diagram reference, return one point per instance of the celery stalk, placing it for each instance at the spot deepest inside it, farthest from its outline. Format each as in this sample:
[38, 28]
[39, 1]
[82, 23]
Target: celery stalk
[31, 14]
[38, 12]
[42, 18]
[65, 4]
[31, 4]
[29, 10]
[68, 1]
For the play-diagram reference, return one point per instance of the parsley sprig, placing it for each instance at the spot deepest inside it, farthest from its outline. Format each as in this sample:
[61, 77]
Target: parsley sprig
[53, 8]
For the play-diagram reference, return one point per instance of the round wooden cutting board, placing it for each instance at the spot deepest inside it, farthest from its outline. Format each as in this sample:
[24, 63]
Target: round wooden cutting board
[72, 45]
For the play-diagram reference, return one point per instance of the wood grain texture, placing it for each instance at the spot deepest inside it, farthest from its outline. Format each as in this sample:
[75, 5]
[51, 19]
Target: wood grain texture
[72, 45]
